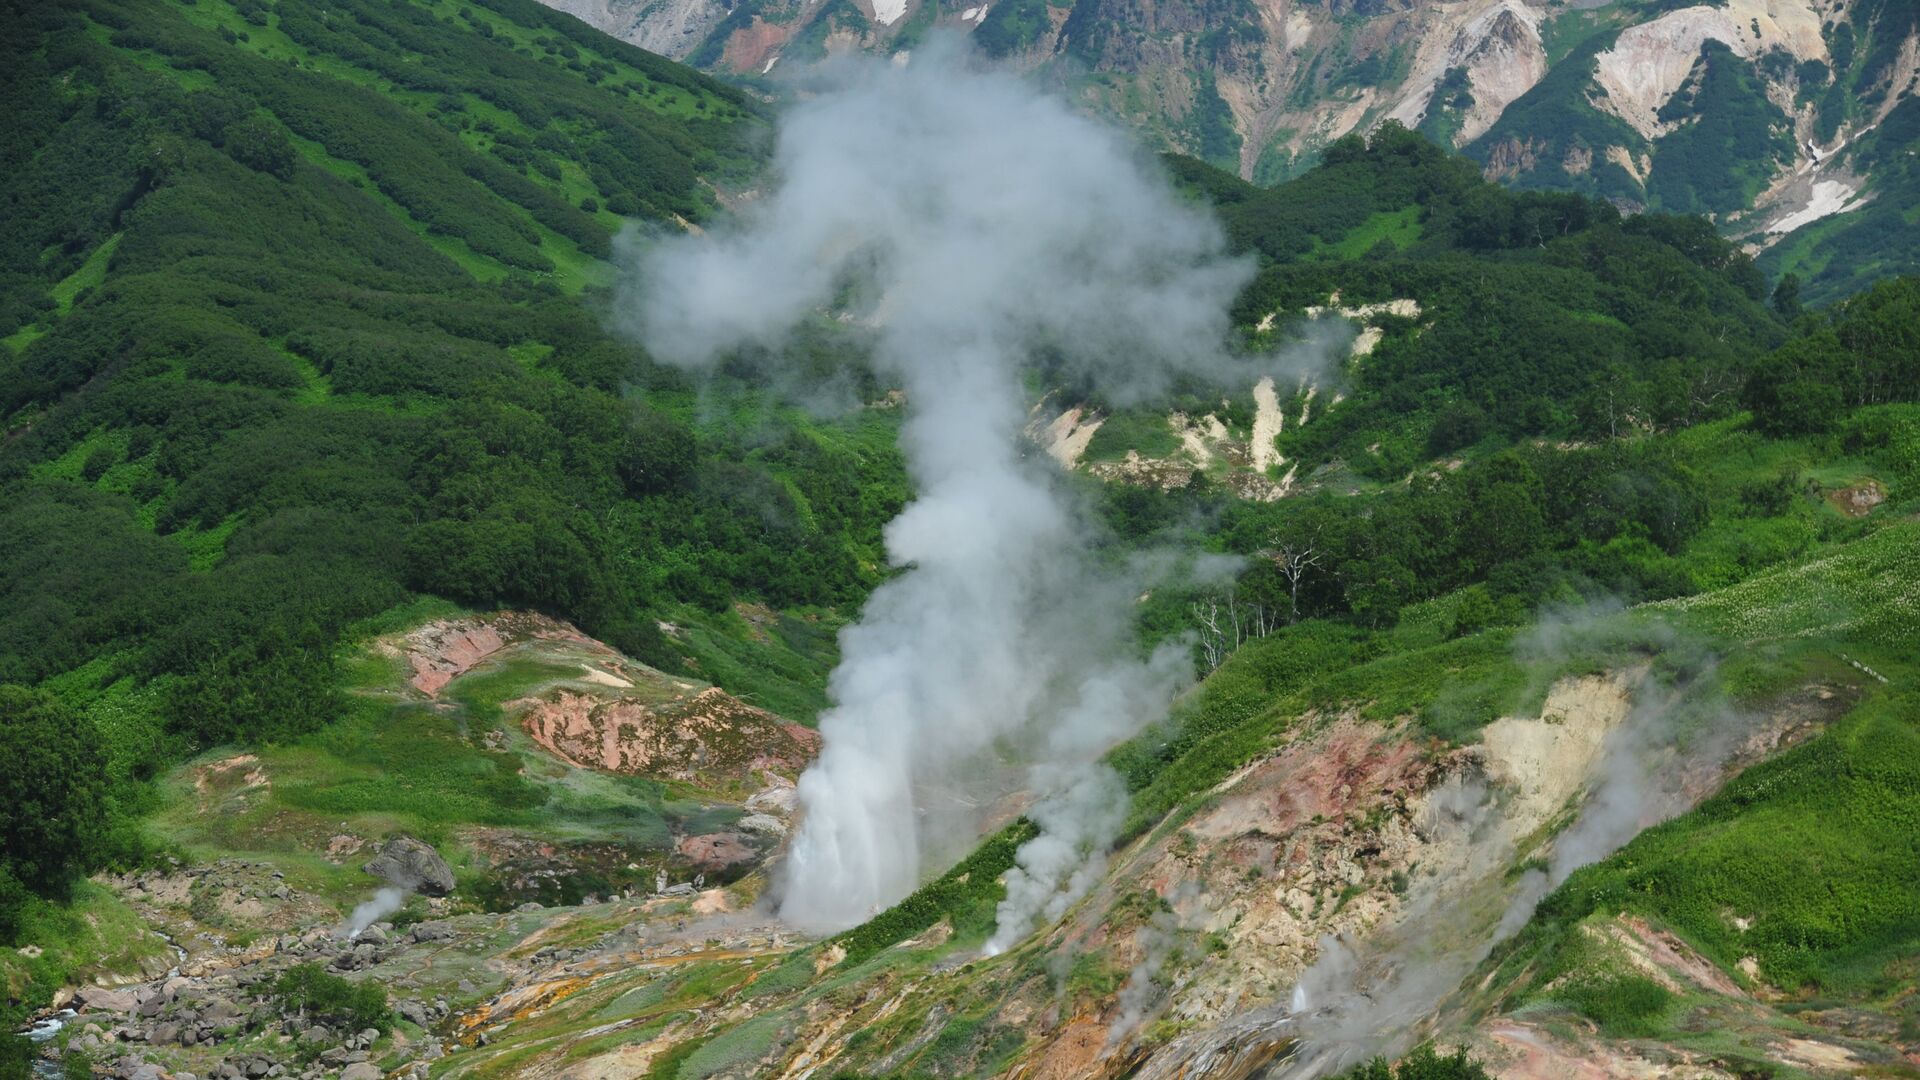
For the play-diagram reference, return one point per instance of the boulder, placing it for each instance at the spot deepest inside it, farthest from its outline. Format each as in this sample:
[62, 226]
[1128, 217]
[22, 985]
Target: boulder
[431, 931]
[361, 1070]
[410, 864]
[719, 852]
[98, 999]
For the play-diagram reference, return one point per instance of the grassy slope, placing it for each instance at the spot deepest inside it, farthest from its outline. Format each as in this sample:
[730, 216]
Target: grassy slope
[342, 234]
[395, 764]
[1817, 845]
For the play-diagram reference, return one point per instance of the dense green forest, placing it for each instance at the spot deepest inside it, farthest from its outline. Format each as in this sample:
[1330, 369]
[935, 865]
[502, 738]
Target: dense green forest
[303, 324]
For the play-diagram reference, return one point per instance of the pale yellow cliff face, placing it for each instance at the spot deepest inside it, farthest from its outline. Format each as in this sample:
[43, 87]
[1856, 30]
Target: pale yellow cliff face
[1279, 78]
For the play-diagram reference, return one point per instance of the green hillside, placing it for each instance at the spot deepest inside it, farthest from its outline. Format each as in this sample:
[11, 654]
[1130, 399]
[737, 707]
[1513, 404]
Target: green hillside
[305, 314]
[303, 323]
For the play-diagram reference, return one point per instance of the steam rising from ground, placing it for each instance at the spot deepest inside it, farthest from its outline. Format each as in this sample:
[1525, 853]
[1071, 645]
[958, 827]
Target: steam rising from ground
[1358, 1000]
[972, 222]
[385, 902]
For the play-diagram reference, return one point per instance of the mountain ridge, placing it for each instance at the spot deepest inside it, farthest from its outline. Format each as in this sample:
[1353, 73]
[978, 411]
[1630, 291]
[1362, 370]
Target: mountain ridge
[1760, 102]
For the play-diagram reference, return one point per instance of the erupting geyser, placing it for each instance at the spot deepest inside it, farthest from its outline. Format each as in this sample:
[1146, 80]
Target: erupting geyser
[979, 220]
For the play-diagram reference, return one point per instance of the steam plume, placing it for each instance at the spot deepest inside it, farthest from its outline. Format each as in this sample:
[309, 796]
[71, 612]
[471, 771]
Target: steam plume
[1357, 1001]
[970, 221]
[385, 902]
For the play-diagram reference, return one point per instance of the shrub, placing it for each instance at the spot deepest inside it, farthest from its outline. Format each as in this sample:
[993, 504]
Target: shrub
[1424, 1063]
[311, 993]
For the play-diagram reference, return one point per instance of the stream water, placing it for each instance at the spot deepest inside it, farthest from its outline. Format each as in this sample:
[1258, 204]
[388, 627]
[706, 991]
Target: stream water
[47, 1028]
[41, 1032]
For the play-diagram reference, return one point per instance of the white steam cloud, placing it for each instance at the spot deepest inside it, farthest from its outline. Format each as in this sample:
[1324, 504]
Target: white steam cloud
[971, 221]
[385, 902]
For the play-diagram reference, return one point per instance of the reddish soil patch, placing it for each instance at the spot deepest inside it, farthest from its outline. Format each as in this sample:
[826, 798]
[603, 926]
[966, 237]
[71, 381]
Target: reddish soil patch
[710, 738]
[719, 852]
[747, 50]
[1352, 767]
[442, 650]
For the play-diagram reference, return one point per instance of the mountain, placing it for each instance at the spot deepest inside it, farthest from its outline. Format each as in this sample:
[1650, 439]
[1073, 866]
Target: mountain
[403, 673]
[1768, 115]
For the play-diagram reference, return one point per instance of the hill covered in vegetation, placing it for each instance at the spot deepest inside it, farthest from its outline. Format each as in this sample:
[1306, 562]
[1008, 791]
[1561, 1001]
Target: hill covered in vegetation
[303, 323]
[306, 365]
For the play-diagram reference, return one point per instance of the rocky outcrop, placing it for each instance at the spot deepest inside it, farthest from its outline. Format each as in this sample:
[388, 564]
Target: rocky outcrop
[410, 864]
[710, 737]
[440, 651]
[720, 853]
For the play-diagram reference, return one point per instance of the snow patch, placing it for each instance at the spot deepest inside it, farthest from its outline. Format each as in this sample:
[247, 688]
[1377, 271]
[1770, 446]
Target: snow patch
[888, 12]
[771, 60]
[1829, 197]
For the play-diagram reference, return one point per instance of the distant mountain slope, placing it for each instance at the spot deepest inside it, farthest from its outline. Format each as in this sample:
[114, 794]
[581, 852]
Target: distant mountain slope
[1749, 110]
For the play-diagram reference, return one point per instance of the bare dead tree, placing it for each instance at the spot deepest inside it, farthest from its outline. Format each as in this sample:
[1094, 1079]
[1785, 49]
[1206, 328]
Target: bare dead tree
[1213, 640]
[1295, 561]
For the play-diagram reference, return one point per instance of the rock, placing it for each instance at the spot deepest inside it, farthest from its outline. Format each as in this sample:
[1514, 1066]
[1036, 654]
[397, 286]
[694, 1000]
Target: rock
[766, 824]
[164, 1034]
[410, 864]
[374, 935]
[414, 1012]
[97, 999]
[431, 931]
[361, 1070]
[719, 852]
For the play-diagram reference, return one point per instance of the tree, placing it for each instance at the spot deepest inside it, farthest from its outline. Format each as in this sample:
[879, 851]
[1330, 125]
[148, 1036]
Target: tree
[1786, 296]
[259, 144]
[309, 992]
[1295, 561]
[53, 792]
[1378, 591]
